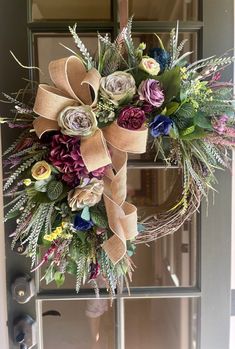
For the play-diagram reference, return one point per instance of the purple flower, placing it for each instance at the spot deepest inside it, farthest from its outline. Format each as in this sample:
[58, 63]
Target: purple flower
[150, 91]
[131, 118]
[65, 155]
[160, 126]
[94, 270]
[82, 224]
[220, 124]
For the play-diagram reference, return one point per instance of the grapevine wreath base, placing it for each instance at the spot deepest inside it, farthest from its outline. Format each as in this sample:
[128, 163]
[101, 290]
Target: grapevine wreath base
[66, 173]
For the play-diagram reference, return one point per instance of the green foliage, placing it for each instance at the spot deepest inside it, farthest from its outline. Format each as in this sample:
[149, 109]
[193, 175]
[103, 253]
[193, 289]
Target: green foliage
[49, 274]
[81, 271]
[99, 217]
[59, 278]
[186, 110]
[86, 214]
[203, 121]
[171, 108]
[170, 82]
[54, 190]
[41, 186]
[197, 133]
[129, 44]
[14, 211]
[107, 269]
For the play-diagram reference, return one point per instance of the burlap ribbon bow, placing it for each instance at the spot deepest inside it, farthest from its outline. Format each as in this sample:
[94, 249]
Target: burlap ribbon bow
[73, 86]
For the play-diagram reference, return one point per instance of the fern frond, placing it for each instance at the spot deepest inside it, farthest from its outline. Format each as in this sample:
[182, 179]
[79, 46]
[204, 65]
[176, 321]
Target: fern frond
[82, 48]
[13, 146]
[21, 201]
[108, 271]
[81, 268]
[129, 43]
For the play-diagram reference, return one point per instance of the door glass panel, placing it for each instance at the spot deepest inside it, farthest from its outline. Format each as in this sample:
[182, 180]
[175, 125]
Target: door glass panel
[48, 48]
[80, 324]
[184, 10]
[161, 323]
[171, 260]
[71, 9]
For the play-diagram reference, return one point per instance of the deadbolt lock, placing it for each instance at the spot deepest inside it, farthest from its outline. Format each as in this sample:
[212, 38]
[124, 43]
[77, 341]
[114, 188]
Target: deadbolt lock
[23, 289]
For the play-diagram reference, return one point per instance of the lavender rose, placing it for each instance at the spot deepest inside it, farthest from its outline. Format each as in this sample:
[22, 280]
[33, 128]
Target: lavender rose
[131, 118]
[118, 86]
[150, 91]
[77, 121]
[160, 126]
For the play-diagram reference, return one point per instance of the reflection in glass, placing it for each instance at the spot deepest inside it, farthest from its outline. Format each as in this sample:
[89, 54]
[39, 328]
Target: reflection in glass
[48, 48]
[185, 10]
[71, 9]
[83, 324]
[161, 324]
[171, 260]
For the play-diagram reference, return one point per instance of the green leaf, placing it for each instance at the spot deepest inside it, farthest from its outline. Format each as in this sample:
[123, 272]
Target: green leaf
[174, 132]
[187, 131]
[41, 186]
[140, 228]
[186, 111]
[197, 134]
[41, 198]
[54, 190]
[170, 82]
[171, 108]
[49, 274]
[74, 252]
[71, 267]
[12, 214]
[99, 218]
[130, 248]
[59, 278]
[202, 121]
[86, 214]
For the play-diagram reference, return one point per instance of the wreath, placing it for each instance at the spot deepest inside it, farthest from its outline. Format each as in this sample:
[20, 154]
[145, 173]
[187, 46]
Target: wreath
[66, 173]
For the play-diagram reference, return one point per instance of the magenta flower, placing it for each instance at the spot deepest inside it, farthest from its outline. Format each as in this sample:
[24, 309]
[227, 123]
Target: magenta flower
[65, 155]
[151, 92]
[131, 118]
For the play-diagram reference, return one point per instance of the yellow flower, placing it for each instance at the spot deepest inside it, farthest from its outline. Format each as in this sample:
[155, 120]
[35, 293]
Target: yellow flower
[41, 170]
[58, 230]
[149, 65]
[48, 237]
[64, 225]
[27, 182]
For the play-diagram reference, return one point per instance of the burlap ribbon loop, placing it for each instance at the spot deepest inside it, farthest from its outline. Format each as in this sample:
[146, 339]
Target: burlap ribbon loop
[73, 86]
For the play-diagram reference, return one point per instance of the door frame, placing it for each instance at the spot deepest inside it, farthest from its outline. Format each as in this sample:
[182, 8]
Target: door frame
[214, 287]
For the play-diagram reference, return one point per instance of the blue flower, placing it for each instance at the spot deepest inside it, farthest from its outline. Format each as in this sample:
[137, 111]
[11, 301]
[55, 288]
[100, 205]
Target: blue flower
[160, 126]
[161, 56]
[82, 224]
